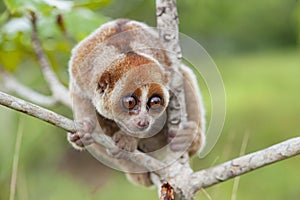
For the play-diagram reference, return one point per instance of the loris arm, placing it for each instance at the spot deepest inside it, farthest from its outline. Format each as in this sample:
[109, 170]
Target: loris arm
[85, 116]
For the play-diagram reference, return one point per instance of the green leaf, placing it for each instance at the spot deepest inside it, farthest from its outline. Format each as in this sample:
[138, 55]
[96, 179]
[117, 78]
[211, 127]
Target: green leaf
[19, 6]
[61, 5]
[3, 17]
[91, 4]
[81, 22]
[13, 5]
[11, 59]
[44, 7]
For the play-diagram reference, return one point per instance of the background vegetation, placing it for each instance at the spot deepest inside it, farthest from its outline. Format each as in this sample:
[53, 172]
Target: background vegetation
[255, 44]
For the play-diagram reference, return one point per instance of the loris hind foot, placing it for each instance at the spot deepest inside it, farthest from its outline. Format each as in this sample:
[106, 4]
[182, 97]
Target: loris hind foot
[124, 143]
[182, 139]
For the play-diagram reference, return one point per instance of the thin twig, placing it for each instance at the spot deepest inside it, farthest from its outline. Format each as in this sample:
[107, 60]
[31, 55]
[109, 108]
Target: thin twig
[36, 111]
[206, 193]
[22, 188]
[237, 179]
[59, 91]
[13, 85]
[14, 173]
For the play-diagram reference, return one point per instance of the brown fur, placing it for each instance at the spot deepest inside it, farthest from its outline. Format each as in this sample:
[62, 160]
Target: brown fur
[91, 43]
[109, 127]
[155, 89]
[122, 58]
[117, 69]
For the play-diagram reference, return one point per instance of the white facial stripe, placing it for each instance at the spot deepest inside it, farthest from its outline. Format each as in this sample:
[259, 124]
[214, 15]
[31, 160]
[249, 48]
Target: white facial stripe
[144, 98]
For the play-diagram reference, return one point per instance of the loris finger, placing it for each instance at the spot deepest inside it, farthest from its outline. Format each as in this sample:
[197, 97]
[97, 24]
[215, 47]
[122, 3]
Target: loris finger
[179, 146]
[73, 137]
[117, 153]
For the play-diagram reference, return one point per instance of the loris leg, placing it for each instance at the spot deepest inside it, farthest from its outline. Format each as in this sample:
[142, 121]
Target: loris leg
[140, 179]
[124, 144]
[180, 140]
[191, 136]
[130, 168]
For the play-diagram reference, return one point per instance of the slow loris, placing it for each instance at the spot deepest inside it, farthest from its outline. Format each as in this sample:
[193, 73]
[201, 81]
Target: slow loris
[119, 77]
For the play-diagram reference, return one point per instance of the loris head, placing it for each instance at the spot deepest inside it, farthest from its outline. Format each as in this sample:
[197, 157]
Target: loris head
[133, 93]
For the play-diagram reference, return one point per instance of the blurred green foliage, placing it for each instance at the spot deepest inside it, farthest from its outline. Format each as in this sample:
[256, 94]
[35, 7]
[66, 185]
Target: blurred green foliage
[254, 44]
[228, 25]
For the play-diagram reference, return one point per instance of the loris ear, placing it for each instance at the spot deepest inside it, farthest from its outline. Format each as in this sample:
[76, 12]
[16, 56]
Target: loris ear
[102, 85]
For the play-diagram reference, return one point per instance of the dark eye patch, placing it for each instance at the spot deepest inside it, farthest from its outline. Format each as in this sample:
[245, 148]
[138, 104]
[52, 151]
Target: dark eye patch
[155, 90]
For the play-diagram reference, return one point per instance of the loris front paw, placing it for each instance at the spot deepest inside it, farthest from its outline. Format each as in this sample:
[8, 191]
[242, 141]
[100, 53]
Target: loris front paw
[180, 140]
[83, 137]
[123, 143]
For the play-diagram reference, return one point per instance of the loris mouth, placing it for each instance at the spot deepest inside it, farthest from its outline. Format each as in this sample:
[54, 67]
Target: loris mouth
[141, 128]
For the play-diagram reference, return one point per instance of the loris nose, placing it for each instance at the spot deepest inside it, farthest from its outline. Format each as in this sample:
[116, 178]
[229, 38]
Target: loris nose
[143, 123]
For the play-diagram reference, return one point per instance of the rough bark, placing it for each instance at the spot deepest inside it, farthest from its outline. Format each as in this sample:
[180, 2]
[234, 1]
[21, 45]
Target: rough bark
[167, 26]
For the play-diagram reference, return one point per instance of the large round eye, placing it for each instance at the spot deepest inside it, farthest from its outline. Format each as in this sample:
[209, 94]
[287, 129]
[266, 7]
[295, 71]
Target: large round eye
[129, 102]
[155, 102]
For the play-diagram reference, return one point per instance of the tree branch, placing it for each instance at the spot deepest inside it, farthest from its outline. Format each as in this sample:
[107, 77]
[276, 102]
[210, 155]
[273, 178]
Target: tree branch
[13, 85]
[36, 111]
[244, 164]
[59, 91]
[167, 25]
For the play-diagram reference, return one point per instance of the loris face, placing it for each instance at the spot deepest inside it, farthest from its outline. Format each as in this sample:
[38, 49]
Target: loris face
[142, 112]
[132, 92]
